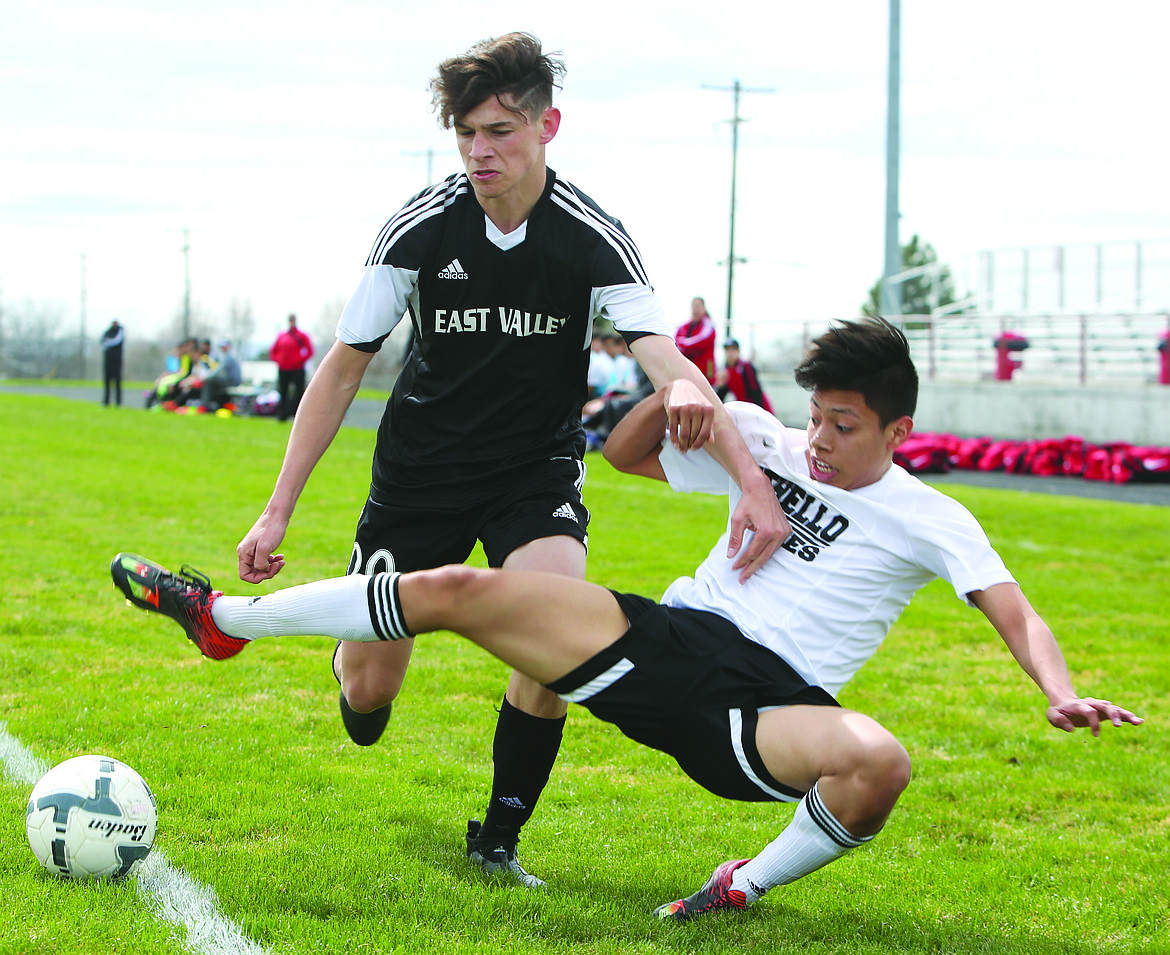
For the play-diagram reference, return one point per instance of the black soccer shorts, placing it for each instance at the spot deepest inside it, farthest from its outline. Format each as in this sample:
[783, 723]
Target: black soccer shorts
[406, 529]
[689, 683]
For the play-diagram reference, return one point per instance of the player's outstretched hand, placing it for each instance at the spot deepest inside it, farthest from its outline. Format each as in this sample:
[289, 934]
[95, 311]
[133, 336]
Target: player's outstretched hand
[690, 415]
[758, 511]
[1088, 712]
[256, 553]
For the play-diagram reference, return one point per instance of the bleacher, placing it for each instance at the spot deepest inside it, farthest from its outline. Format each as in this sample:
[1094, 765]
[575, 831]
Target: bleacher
[1119, 350]
[256, 379]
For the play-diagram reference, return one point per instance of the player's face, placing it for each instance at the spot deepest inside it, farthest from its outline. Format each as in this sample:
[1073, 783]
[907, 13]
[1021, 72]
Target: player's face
[848, 447]
[503, 151]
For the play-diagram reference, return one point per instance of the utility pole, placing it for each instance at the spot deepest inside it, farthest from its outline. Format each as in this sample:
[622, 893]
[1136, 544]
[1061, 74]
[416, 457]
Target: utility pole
[186, 283]
[891, 296]
[83, 342]
[735, 120]
[430, 154]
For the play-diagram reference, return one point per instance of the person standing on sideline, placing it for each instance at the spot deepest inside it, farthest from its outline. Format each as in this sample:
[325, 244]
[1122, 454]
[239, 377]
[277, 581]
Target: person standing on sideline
[502, 269]
[290, 351]
[111, 343]
[696, 339]
[739, 378]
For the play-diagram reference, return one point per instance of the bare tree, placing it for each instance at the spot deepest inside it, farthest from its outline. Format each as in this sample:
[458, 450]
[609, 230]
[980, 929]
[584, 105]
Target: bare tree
[241, 324]
[34, 345]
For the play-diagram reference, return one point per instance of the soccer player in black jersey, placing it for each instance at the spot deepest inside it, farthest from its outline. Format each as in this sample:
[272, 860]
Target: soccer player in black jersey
[502, 270]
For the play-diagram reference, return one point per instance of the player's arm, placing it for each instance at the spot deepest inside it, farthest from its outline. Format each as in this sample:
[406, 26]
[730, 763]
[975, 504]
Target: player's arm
[634, 445]
[1035, 649]
[693, 424]
[319, 415]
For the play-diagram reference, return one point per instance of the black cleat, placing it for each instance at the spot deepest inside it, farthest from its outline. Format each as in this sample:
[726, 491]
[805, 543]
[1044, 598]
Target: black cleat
[498, 858]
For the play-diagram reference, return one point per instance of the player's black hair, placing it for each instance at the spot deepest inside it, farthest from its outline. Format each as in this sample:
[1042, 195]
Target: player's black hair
[511, 66]
[870, 356]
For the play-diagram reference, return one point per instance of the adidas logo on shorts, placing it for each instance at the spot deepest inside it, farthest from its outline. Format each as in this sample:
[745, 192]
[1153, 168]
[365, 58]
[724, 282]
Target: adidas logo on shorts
[566, 510]
[454, 271]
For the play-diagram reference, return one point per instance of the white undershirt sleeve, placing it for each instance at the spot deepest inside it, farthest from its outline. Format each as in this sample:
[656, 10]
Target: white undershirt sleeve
[631, 308]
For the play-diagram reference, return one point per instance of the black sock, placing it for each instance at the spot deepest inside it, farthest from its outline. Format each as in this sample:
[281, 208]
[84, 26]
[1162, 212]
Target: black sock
[524, 751]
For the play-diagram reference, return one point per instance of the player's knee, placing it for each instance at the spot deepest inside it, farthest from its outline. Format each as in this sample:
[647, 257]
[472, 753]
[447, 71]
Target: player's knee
[365, 692]
[883, 773]
[371, 682]
[449, 586]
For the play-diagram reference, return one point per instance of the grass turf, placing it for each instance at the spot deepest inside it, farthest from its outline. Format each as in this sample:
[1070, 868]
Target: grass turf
[1013, 837]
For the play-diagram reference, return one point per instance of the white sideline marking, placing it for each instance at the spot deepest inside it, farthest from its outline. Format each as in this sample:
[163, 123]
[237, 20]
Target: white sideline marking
[171, 893]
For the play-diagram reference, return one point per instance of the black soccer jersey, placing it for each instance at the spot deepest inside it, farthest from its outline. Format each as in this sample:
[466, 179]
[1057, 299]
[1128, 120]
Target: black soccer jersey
[497, 373]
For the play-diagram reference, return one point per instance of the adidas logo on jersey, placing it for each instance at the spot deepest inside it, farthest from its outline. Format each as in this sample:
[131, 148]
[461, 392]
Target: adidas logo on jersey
[454, 271]
[566, 511]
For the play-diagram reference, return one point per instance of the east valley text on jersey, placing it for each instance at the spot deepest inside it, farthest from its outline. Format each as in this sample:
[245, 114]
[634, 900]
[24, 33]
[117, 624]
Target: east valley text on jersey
[497, 373]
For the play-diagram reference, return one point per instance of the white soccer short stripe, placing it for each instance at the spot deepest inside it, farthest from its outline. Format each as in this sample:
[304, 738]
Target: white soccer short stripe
[736, 716]
[600, 682]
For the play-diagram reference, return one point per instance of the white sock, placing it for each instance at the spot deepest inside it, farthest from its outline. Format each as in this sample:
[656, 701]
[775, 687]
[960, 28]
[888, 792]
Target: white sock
[813, 839]
[357, 608]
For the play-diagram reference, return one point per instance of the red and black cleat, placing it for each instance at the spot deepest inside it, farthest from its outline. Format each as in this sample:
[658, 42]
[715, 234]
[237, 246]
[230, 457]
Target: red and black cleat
[185, 597]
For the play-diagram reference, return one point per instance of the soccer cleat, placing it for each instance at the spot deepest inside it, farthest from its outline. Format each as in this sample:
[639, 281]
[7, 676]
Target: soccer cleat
[365, 729]
[716, 896]
[497, 858]
[185, 597]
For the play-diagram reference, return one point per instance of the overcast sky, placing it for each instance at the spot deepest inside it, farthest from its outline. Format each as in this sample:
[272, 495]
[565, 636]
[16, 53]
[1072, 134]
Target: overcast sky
[283, 135]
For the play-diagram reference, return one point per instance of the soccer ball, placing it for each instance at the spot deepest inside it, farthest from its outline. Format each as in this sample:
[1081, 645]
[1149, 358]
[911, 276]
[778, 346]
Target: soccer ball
[91, 817]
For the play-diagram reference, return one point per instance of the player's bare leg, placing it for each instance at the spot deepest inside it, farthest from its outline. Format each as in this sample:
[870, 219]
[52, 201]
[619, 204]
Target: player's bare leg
[853, 771]
[859, 767]
[371, 676]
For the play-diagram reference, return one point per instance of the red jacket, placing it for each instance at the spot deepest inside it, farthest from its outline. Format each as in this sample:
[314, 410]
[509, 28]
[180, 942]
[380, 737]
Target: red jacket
[696, 340]
[291, 350]
[744, 383]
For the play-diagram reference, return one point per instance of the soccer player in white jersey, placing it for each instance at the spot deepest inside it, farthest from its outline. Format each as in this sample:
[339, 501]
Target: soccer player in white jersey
[735, 680]
[501, 269]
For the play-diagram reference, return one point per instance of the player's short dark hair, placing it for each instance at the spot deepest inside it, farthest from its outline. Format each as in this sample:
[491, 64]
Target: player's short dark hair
[511, 65]
[870, 356]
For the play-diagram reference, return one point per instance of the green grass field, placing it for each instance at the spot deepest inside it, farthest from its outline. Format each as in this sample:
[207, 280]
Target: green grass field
[1013, 837]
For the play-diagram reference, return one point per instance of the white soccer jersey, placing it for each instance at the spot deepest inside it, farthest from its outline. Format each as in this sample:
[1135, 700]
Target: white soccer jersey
[497, 374]
[826, 600]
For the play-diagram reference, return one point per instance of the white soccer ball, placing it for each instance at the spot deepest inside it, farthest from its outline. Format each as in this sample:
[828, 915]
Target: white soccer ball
[91, 817]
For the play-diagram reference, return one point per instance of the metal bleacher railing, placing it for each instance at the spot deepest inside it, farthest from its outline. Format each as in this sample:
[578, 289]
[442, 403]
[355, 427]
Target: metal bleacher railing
[1118, 350]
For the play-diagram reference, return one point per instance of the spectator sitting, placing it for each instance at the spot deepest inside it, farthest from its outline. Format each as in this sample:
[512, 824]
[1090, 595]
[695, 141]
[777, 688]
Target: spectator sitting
[167, 385]
[740, 379]
[225, 375]
[601, 415]
[600, 365]
[191, 387]
[623, 376]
